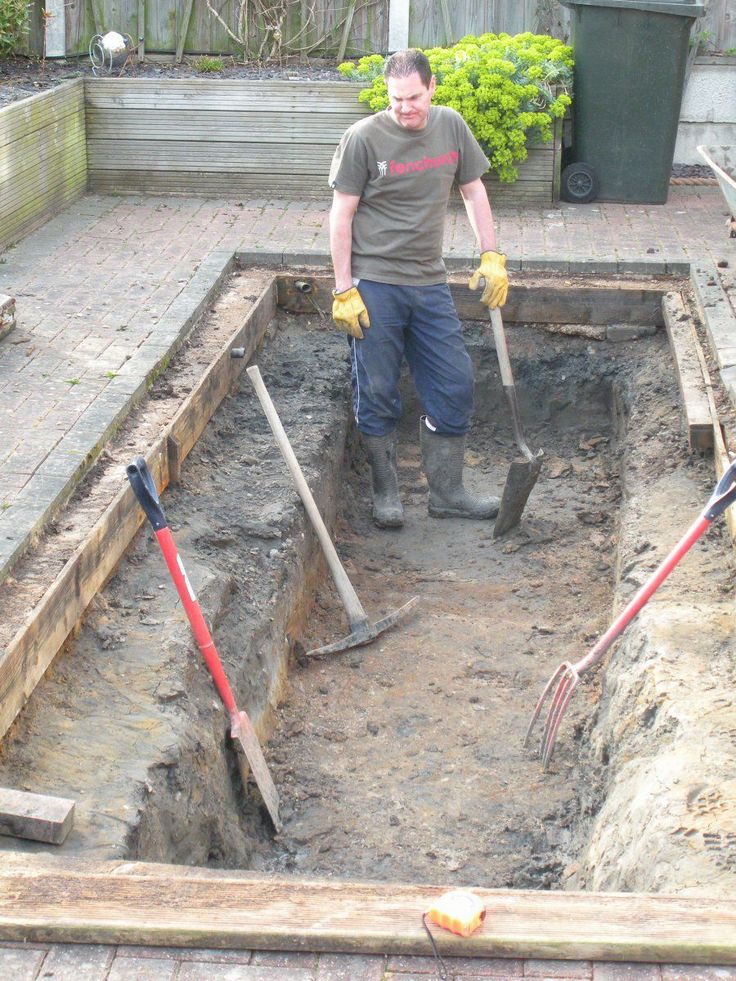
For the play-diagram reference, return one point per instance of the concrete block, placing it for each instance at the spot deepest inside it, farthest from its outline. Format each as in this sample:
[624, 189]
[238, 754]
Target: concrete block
[546, 265]
[606, 267]
[256, 257]
[642, 267]
[7, 314]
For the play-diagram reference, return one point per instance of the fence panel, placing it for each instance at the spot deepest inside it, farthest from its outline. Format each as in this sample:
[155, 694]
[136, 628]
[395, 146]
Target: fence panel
[326, 19]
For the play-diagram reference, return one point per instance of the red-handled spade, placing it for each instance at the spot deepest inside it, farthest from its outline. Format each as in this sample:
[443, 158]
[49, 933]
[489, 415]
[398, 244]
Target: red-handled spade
[565, 679]
[241, 728]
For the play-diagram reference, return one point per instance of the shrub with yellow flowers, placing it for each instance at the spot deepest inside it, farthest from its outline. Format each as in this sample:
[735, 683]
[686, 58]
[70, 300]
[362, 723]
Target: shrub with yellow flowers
[508, 89]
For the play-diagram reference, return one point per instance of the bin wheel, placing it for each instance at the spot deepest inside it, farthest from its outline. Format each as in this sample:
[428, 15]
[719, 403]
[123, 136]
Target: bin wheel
[579, 183]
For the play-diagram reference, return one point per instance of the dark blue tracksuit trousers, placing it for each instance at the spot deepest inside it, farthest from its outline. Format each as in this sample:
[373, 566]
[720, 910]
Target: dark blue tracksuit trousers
[421, 324]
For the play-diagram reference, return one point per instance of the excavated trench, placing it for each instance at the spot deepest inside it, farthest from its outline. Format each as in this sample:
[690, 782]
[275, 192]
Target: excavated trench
[404, 760]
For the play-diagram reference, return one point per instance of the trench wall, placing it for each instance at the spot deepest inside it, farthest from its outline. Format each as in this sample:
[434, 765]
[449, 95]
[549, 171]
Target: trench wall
[663, 735]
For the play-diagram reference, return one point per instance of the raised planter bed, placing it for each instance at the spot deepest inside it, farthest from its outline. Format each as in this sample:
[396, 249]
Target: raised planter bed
[44, 158]
[227, 138]
[212, 138]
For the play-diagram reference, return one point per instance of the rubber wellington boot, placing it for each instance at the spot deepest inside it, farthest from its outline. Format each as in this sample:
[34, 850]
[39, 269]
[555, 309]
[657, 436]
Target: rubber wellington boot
[443, 458]
[387, 509]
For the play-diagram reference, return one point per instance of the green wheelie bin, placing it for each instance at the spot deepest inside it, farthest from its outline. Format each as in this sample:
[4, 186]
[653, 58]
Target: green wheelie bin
[630, 60]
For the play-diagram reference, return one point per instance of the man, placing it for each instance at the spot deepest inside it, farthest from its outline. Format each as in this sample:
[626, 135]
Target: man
[391, 178]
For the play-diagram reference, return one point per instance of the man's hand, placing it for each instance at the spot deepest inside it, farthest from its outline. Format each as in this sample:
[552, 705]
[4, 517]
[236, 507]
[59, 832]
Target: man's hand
[492, 269]
[349, 312]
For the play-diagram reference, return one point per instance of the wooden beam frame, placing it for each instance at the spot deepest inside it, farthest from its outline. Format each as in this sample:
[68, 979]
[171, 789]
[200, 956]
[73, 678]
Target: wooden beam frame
[527, 304]
[38, 641]
[84, 901]
[135, 903]
[684, 345]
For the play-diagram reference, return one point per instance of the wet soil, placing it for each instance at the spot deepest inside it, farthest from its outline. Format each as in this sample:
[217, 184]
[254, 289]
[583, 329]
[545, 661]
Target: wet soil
[403, 760]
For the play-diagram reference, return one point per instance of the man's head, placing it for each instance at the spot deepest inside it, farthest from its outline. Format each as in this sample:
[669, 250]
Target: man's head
[410, 86]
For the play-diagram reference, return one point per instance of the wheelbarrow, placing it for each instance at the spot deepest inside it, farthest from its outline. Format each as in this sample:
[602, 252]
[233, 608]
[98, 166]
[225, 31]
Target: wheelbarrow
[722, 161]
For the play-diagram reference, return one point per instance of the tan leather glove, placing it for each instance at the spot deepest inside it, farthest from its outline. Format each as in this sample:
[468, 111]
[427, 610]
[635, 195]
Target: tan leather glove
[492, 269]
[349, 312]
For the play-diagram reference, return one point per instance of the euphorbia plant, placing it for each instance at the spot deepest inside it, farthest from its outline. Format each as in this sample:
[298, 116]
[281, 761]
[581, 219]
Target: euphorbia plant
[506, 88]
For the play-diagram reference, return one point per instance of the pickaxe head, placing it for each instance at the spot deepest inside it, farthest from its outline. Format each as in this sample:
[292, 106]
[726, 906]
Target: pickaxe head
[364, 632]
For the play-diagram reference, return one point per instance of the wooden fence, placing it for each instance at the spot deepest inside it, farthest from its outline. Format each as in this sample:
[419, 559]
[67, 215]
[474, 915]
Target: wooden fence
[313, 27]
[43, 158]
[229, 138]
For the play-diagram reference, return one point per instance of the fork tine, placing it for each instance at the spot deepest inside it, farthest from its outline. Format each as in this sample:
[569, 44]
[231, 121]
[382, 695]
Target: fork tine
[561, 669]
[559, 705]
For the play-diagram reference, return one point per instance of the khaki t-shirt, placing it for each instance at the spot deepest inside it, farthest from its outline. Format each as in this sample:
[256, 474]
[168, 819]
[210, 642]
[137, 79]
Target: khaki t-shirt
[404, 178]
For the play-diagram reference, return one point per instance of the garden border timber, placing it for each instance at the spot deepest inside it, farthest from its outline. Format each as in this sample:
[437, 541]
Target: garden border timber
[42, 900]
[46, 900]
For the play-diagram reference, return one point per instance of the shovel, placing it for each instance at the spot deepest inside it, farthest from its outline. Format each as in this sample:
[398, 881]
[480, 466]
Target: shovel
[523, 474]
[241, 728]
[362, 631]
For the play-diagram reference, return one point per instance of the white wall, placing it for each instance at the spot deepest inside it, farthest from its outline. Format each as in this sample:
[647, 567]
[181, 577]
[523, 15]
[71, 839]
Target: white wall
[708, 113]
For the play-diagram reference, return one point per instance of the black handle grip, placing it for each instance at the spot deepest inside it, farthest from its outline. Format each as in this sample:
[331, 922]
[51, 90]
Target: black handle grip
[145, 490]
[723, 495]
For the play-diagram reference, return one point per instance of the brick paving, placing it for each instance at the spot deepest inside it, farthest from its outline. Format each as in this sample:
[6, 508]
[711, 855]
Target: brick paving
[82, 962]
[103, 292]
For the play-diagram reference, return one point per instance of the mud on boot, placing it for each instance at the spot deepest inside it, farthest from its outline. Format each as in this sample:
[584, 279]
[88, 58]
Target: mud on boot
[387, 509]
[443, 457]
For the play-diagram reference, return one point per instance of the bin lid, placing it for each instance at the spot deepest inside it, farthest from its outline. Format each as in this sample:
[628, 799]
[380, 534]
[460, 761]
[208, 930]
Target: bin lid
[682, 8]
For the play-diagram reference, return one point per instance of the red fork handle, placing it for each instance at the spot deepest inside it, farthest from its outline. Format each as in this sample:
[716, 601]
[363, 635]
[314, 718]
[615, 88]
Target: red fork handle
[650, 586]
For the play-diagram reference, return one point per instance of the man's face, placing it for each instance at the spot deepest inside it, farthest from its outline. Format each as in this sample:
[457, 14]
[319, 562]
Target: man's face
[410, 100]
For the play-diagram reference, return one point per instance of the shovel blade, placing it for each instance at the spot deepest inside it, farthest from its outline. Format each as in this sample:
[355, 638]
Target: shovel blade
[244, 733]
[522, 477]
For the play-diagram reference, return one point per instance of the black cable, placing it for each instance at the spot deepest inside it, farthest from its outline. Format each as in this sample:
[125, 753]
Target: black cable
[442, 971]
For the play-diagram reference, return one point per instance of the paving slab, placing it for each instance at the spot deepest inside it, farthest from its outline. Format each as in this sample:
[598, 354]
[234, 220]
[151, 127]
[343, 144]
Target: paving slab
[95, 962]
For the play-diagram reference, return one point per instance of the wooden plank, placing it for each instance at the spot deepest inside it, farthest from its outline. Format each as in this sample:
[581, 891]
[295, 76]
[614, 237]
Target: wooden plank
[31, 186]
[141, 29]
[37, 111]
[205, 185]
[696, 411]
[55, 28]
[222, 95]
[446, 22]
[35, 816]
[33, 151]
[345, 37]
[254, 127]
[188, 156]
[722, 458]
[183, 29]
[716, 313]
[55, 903]
[525, 304]
[37, 642]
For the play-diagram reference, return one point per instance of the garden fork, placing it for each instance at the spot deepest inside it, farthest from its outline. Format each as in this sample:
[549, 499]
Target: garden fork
[567, 676]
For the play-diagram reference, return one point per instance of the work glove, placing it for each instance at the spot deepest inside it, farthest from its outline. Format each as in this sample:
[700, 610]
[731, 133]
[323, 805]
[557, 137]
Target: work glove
[492, 269]
[349, 312]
